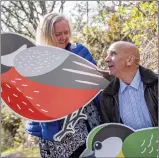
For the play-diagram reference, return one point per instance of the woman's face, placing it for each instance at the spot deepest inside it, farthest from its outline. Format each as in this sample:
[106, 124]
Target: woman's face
[62, 33]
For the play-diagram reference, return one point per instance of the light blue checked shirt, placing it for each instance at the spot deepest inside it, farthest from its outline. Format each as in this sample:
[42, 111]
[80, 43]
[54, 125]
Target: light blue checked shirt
[132, 106]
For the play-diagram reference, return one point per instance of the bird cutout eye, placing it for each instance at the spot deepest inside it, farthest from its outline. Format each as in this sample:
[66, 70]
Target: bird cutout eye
[97, 145]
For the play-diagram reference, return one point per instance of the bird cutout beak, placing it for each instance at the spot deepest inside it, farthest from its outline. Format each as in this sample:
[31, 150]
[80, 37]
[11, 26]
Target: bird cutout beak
[105, 74]
[8, 60]
[120, 155]
[87, 153]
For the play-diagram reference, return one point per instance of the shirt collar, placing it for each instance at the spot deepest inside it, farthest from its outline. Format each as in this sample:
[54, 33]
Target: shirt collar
[122, 86]
[135, 82]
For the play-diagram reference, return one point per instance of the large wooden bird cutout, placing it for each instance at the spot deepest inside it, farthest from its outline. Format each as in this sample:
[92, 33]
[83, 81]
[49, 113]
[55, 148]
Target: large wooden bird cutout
[44, 83]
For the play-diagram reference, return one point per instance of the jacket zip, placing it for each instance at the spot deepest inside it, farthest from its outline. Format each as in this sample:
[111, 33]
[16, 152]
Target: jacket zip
[151, 119]
[117, 106]
[149, 110]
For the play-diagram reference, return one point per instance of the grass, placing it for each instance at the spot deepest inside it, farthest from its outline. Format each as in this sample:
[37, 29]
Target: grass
[34, 152]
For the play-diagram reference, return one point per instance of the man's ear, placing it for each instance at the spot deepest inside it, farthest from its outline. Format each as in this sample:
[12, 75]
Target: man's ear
[130, 60]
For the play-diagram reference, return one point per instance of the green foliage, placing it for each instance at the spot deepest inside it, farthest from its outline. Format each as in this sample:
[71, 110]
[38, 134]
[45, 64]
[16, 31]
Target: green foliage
[10, 124]
[10, 121]
[16, 152]
[19, 138]
[140, 21]
[6, 140]
[134, 22]
[13, 131]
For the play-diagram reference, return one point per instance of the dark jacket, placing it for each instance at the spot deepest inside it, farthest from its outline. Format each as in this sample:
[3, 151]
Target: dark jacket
[109, 107]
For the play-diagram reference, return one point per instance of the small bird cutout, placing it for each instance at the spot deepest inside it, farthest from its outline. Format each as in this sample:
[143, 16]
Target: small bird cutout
[118, 140]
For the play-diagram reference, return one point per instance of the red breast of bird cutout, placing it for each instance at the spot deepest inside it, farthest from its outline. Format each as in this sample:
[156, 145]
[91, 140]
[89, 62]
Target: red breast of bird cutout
[41, 102]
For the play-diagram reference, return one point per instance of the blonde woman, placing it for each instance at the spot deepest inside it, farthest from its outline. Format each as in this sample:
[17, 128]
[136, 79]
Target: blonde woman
[55, 30]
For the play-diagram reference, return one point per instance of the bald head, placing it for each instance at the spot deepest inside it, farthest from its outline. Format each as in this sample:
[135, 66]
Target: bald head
[123, 60]
[127, 49]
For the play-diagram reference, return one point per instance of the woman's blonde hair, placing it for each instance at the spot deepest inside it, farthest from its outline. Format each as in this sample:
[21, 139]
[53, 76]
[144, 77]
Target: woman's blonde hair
[45, 31]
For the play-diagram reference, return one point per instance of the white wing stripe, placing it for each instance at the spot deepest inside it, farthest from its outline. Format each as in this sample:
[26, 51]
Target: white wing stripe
[83, 73]
[84, 65]
[87, 82]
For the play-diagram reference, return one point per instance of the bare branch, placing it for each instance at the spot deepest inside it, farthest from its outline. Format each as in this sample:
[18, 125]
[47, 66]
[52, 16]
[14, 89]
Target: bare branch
[23, 16]
[43, 7]
[19, 20]
[31, 16]
[61, 6]
[53, 6]
[140, 10]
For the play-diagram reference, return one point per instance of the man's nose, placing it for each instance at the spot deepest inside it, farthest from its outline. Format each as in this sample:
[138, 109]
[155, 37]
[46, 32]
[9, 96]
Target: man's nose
[107, 58]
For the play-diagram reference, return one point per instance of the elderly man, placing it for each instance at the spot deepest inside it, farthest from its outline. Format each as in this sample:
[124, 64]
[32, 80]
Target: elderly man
[132, 96]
